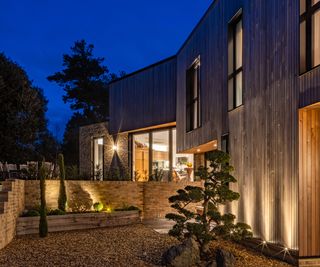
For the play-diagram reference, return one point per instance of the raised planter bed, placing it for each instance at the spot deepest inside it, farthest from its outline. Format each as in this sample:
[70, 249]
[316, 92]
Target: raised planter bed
[81, 221]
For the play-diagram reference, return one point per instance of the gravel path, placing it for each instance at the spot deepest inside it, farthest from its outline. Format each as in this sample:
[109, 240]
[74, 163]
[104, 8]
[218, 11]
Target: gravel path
[129, 246]
[122, 246]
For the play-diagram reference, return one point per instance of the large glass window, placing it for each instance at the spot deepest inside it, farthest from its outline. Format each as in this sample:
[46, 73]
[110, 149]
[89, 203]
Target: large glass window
[160, 156]
[235, 55]
[309, 34]
[140, 157]
[193, 111]
[157, 150]
[183, 164]
[98, 152]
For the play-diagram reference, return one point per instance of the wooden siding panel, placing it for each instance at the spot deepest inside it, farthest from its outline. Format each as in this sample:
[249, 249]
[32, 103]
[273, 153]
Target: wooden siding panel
[309, 172]
[146, 98]
[264, 131]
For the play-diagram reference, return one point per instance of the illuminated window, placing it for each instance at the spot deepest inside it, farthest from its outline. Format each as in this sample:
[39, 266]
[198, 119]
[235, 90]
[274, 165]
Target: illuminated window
[154, 157]
[140, 157]
[193, 111]
[309, 34]
[235, 43]
[183, 164]
[98, 155]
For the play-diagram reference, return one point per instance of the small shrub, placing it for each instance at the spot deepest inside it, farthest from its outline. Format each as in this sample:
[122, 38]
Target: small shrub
[98, 207]
[72, 172]
[210, 223]
[56, 212]
[62, 200]
[31, 213]
[43, 224]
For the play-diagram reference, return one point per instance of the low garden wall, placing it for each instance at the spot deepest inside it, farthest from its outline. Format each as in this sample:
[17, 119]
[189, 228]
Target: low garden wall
[69, 222]
[11, 205]
[150, 197]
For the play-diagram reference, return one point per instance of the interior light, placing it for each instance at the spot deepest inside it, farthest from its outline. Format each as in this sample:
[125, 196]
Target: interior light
[161, 148]
[100, 141]
[115, 147]
[198, 150]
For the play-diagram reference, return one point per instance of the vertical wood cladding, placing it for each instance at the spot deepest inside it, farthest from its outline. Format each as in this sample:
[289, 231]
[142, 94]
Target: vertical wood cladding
[143, 99]
[264, 131]
[309, 182]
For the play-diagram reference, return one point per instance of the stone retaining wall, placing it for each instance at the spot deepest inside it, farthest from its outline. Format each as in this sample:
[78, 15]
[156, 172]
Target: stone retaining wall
[150, 197]
[11, 205]
[82, 221]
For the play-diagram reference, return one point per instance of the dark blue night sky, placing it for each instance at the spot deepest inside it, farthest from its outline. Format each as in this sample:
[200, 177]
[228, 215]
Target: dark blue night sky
[130, 34]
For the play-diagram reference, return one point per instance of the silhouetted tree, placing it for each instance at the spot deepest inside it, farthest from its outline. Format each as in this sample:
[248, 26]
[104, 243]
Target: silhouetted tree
[22, 114]
[85, 80]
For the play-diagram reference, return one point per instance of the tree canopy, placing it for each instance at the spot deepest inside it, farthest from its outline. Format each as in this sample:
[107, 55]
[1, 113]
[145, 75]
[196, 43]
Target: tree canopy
[23, 106]
[85, 81]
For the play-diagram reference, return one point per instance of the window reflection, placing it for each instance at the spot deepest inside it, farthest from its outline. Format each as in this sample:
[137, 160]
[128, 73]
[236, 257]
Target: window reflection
[98, 152]
[140, 157]
[182, 166]
[165, 167]
[160, 156]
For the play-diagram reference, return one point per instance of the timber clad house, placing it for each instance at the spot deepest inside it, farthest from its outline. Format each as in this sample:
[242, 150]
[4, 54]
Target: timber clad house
[246, 81]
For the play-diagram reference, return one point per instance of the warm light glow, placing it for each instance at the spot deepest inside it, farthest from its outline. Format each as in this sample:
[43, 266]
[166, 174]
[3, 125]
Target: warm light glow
[198, 150]
[115, 147]
[161, 148]
[108, 209]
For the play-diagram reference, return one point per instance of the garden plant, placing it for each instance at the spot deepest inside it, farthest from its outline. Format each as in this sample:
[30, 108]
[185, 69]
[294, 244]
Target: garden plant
[209, 223]
[62, 200]
[43, 224]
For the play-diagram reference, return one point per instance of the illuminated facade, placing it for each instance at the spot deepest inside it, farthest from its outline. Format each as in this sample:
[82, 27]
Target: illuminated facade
[247, 80]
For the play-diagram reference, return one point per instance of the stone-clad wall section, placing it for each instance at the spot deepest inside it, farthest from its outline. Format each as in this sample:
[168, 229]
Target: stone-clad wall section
[83, 194]
[11, 205]
[150, 197]
[156, 194]
[112, 160]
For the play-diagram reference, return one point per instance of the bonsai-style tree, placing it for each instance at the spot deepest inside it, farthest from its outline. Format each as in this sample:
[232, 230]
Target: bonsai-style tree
[62, 200]
[209, 223]
[43, 224]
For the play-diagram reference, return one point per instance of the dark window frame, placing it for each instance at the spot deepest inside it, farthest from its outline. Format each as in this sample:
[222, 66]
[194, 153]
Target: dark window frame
[225, 138]
[232, 34]
[307, 18]
[193, 102]
[150, 132]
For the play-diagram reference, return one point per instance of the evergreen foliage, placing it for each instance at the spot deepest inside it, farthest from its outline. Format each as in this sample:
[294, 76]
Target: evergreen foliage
[210, 223]
[23, 124]
[85, 80]
[62, 200]
[43, 224]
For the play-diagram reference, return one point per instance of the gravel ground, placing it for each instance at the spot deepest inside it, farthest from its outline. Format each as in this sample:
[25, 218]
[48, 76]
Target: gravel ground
[123, 246]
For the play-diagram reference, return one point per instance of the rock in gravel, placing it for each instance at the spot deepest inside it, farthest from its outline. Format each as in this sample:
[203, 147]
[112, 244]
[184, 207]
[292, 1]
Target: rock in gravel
[225, 258]
[183, 255]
